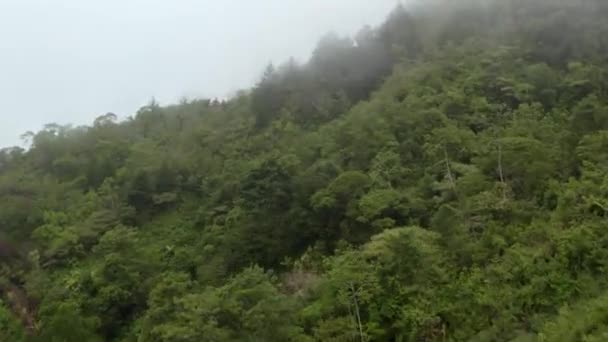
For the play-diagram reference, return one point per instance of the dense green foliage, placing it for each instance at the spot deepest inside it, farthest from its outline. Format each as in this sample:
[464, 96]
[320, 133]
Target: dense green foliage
[443, 177]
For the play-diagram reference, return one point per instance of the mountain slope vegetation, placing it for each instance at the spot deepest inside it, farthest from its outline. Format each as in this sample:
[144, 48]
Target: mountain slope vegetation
[441, 177]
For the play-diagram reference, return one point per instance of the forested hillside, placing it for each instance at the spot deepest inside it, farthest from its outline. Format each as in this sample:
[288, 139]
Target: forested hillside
[441, 177]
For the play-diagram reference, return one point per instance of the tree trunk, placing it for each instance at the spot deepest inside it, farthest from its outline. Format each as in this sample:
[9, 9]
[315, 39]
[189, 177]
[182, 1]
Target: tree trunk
[449, 169]
[501, 174]
[357, 312]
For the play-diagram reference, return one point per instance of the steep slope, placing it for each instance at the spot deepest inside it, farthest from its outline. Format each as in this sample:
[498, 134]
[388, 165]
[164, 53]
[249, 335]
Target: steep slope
[447, 182]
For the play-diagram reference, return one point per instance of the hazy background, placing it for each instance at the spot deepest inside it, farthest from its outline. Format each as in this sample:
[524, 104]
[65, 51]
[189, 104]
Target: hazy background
[69, 61]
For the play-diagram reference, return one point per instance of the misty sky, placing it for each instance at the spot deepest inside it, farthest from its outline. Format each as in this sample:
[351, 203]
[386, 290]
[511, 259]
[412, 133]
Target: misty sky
[69, 61]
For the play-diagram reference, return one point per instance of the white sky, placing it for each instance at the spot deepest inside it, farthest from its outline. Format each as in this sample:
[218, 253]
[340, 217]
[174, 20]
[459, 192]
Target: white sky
[69, 61]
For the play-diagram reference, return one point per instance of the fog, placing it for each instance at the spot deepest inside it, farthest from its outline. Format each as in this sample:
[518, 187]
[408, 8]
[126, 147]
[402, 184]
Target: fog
[69, 61]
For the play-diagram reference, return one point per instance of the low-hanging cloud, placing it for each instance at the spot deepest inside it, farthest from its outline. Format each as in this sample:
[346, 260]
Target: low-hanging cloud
[68, 61]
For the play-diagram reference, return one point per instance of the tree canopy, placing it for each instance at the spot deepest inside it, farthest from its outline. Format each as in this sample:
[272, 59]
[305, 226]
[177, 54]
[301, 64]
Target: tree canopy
[440, 177]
